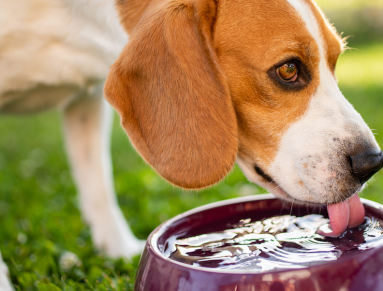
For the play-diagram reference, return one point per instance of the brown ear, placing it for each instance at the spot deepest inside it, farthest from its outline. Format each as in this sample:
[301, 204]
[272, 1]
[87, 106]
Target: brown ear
[172, 98]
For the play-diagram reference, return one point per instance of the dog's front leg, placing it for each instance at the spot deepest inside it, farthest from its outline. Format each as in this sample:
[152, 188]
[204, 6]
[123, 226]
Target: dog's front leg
[5, 284]
[87, 123]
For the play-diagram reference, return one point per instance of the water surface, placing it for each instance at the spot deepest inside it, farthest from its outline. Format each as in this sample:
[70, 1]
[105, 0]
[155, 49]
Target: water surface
[276, 243]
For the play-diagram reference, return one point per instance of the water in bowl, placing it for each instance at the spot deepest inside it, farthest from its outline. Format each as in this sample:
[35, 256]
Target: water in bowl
[276, 243]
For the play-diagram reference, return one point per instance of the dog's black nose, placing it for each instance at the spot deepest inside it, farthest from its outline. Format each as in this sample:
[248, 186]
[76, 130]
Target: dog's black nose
[365, 165]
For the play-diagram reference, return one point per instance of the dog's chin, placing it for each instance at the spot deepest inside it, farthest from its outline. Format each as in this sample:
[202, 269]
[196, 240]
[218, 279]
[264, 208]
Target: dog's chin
[312, 199]
[270, 186]
[280, 193]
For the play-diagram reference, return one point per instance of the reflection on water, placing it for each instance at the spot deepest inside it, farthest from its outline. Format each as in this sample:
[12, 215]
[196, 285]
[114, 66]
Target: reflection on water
[281, 242]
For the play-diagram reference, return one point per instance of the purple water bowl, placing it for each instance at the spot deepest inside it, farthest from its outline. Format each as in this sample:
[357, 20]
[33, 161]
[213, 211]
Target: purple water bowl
[359, 271]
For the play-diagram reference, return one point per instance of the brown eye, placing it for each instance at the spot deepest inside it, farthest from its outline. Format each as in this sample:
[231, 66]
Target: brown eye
[288, 72]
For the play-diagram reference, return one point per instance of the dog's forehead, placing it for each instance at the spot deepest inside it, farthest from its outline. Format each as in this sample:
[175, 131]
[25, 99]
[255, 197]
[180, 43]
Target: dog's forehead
[319, 27]
[275, 28]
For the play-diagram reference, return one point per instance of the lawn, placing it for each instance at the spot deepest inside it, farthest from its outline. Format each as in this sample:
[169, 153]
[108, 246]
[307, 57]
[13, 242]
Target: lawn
[39, 217]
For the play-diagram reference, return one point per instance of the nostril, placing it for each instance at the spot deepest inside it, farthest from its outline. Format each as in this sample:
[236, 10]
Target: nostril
[365, 165]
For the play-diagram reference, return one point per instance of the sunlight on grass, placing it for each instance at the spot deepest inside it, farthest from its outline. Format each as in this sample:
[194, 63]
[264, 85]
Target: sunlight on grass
[354, 4]
[361, 66]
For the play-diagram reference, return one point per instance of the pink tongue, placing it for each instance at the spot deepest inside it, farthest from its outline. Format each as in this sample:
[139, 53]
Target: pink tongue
[343, 215]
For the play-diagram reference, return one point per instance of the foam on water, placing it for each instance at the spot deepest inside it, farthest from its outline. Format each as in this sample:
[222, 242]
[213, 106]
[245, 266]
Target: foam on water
[280, 242]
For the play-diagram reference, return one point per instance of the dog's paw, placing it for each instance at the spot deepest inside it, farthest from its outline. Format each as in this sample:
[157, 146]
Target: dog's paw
[112, 235]
[5, 284]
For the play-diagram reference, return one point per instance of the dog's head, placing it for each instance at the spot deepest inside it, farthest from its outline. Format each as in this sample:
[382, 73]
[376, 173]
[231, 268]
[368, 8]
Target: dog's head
[203, 83]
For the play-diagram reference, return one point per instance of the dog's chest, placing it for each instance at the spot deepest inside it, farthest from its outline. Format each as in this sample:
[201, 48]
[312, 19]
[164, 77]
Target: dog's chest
[53, 48]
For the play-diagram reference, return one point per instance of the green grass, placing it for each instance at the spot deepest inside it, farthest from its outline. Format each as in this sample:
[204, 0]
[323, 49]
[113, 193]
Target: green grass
[361, 67]
[342, 4]
[360, 80]
[39, 216]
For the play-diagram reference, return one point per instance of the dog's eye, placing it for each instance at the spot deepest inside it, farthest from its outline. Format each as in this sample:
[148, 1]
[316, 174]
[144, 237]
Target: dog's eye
[288, 72]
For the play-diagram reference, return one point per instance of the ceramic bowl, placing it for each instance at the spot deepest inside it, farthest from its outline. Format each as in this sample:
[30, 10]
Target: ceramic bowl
[356, 272]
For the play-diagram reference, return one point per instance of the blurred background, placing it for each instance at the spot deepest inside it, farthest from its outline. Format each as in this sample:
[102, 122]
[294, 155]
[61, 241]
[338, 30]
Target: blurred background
[40, 221]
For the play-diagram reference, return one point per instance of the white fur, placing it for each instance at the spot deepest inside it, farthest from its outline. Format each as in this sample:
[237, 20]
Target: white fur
[54, 46]
[87, 124]
[5, 284]
[57, 54]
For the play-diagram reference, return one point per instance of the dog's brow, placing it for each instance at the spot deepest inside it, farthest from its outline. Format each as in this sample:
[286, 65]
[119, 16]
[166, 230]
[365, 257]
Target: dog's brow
[308, 50]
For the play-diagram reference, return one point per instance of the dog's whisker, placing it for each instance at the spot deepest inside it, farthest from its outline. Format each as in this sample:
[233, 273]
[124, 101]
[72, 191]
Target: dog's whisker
[291, 208]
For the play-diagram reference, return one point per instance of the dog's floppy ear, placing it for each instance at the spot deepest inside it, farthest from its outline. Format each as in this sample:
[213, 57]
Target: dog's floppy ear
[172, 97]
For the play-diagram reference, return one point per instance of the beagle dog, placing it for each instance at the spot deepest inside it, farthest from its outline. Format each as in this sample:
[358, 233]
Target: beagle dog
[203, 84]
[200, 85]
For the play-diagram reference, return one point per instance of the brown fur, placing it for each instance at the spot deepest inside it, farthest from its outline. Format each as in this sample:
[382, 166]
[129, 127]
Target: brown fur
[173, 98]
[195, 70]
[263, 109]
[131, 11]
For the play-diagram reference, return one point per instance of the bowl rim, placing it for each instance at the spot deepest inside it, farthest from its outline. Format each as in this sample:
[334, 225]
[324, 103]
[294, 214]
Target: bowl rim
[162, 228]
